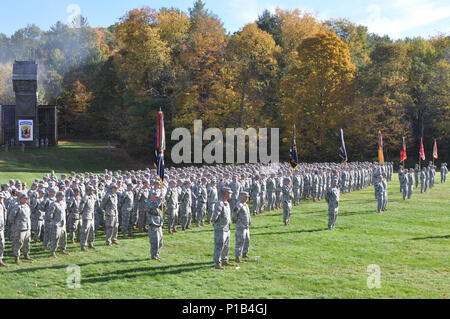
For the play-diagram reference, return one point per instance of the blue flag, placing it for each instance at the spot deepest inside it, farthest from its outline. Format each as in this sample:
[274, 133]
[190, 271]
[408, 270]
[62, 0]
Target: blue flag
[293, 156]
[342, 151]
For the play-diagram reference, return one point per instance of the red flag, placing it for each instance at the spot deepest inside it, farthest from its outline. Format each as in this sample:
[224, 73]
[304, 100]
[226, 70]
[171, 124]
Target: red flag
[421, 151]
[403, 151]
[435, 154]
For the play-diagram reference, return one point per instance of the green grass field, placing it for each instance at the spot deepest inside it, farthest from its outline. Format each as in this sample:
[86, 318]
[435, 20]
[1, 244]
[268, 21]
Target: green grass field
[410, 243]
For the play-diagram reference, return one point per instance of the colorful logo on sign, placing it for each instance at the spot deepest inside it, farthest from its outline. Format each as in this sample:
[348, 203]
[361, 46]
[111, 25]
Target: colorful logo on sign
[25, 130]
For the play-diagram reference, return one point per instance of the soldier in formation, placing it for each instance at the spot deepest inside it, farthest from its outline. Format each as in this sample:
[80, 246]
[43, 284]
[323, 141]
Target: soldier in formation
[78, 205]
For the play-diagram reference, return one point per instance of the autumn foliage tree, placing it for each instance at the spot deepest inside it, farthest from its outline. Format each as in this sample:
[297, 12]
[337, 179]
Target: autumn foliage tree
[318, 92]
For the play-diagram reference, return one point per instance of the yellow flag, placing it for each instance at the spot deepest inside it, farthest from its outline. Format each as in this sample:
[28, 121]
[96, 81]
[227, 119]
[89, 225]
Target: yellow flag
[380, 148]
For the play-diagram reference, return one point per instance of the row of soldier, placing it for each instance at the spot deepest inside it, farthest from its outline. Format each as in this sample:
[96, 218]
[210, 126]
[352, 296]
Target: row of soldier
[80, 205]
[426, 175]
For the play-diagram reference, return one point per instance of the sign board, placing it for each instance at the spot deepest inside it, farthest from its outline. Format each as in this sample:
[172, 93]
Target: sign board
[25, 130]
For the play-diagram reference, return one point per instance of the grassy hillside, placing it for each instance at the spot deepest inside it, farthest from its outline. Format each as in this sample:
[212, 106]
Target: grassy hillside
[410, 243]
[78, 156]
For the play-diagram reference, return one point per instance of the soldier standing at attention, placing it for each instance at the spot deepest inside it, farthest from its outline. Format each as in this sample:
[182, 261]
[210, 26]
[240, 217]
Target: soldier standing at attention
[410, 183]
[255, 192]
[288, 196]
[401, 176]
[87, 208]
[236, 189]
[46, 205]
[379, 192]
[2, 228]
[271, 185]
[241, 217]
[58, 234]
[332, 198]
[221, 219]
[385, 189]
[423, 180]
[73, 220]
[416, 175]
[404, 182]
[315, 185]
[143, 198]
[278, 188]
[202, 198]
[109, 204]
[172, 207]
[212, 199]
[38, 213]
[155, 223]
[296, 187]
[186, 206]
[19, 218]
[127, 203]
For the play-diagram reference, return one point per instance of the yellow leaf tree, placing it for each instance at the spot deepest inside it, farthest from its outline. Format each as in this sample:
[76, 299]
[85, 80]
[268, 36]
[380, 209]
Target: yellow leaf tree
[317, 94]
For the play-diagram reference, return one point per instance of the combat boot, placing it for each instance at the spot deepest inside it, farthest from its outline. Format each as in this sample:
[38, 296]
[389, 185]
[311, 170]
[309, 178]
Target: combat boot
[91, 246]
[226, 263]
[2, 264]
[17, 260]
[27, 257]
[218, 266]
[124, 235]
[54, 255]
[244, 255]
[83, 248]
[130, 234]
[115, 243]
[63, 252]
[170, 231]
[239, 260]
[175, 230]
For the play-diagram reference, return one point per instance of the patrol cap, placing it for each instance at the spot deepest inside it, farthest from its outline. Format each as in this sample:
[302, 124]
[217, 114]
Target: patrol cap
[244, 194]
[23, 195]
[59, 193]
[41, 191]
[226, 189]
[113, 186]
[88, 188]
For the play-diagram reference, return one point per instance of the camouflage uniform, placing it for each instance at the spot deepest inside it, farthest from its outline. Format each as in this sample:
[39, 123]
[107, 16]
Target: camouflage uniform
[221, 219]
[87, 209]
[332, 197]
[155, 223]
[241, 216]
[109, 204]
[288, 196]
[58, 234]
[20, 218]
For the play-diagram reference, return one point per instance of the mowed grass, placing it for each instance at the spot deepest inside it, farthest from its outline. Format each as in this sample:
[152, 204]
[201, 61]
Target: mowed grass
[78, 156]
[410, 243]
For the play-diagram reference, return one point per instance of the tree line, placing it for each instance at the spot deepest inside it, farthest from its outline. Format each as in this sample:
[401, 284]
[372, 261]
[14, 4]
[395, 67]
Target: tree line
[286, 67]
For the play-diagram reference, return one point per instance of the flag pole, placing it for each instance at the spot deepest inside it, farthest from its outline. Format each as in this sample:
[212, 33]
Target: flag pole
[162, 198]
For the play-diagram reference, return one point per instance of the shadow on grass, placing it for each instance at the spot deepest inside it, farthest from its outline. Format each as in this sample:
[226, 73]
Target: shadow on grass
[431, 237]
[26, 270]
[290, 232]
[147, 271]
